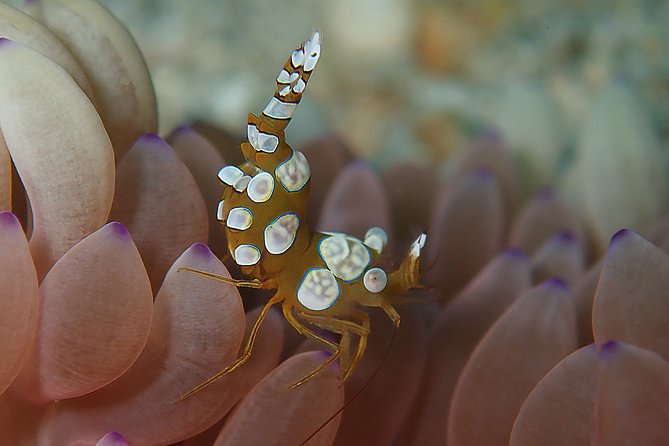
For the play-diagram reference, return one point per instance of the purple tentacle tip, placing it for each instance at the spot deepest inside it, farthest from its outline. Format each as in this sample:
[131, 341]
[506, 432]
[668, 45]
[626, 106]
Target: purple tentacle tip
[151, 137]
[7, 218]
[5, 41]
[201, 249]
[325, 355]
[116, 436]
[609, 347]
[153, 141]
[557, 283]
[565, 236]
[118, 229]
[183, 128]
[113, 439]
[622, 233]
[516, 253]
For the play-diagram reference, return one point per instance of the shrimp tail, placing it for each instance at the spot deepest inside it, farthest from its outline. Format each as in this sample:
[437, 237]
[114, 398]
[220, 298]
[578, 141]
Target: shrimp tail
[266, 132]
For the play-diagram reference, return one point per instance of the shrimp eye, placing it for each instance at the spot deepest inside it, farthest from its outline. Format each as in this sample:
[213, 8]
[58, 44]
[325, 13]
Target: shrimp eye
[375, 280]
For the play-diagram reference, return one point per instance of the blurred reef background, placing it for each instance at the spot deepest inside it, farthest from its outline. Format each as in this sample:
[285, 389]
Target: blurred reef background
[403, 78]
[577, 90]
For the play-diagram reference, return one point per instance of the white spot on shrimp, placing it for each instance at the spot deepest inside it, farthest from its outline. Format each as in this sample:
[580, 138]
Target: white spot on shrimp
[219, 211]
[241, 183]
[376, 238]
[375, 280]
[312, 51]
[239, 218]
[230, 174]
[418, 245]
[297, 58]
[345, 256]
[252, 133]
[318, 290]
[246, 255]
[267, 142]
[280, 234]
[261, 187]
[285, 77]
[299, 86]
[294, 172]
[278, 109]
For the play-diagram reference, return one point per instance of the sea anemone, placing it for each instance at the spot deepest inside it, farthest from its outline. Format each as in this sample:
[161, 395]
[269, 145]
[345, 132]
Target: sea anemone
[541, 321]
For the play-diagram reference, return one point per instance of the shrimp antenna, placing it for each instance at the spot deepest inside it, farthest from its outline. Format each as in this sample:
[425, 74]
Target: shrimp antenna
[357, 394]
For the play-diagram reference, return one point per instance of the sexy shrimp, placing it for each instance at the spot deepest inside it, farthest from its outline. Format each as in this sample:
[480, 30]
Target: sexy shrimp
[322, 280]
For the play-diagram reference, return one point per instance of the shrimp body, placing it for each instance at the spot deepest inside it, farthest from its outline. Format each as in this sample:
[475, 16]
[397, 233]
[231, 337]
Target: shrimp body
[322, 280]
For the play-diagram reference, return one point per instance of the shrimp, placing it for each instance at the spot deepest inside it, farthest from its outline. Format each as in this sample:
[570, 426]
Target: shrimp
[322, 280]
